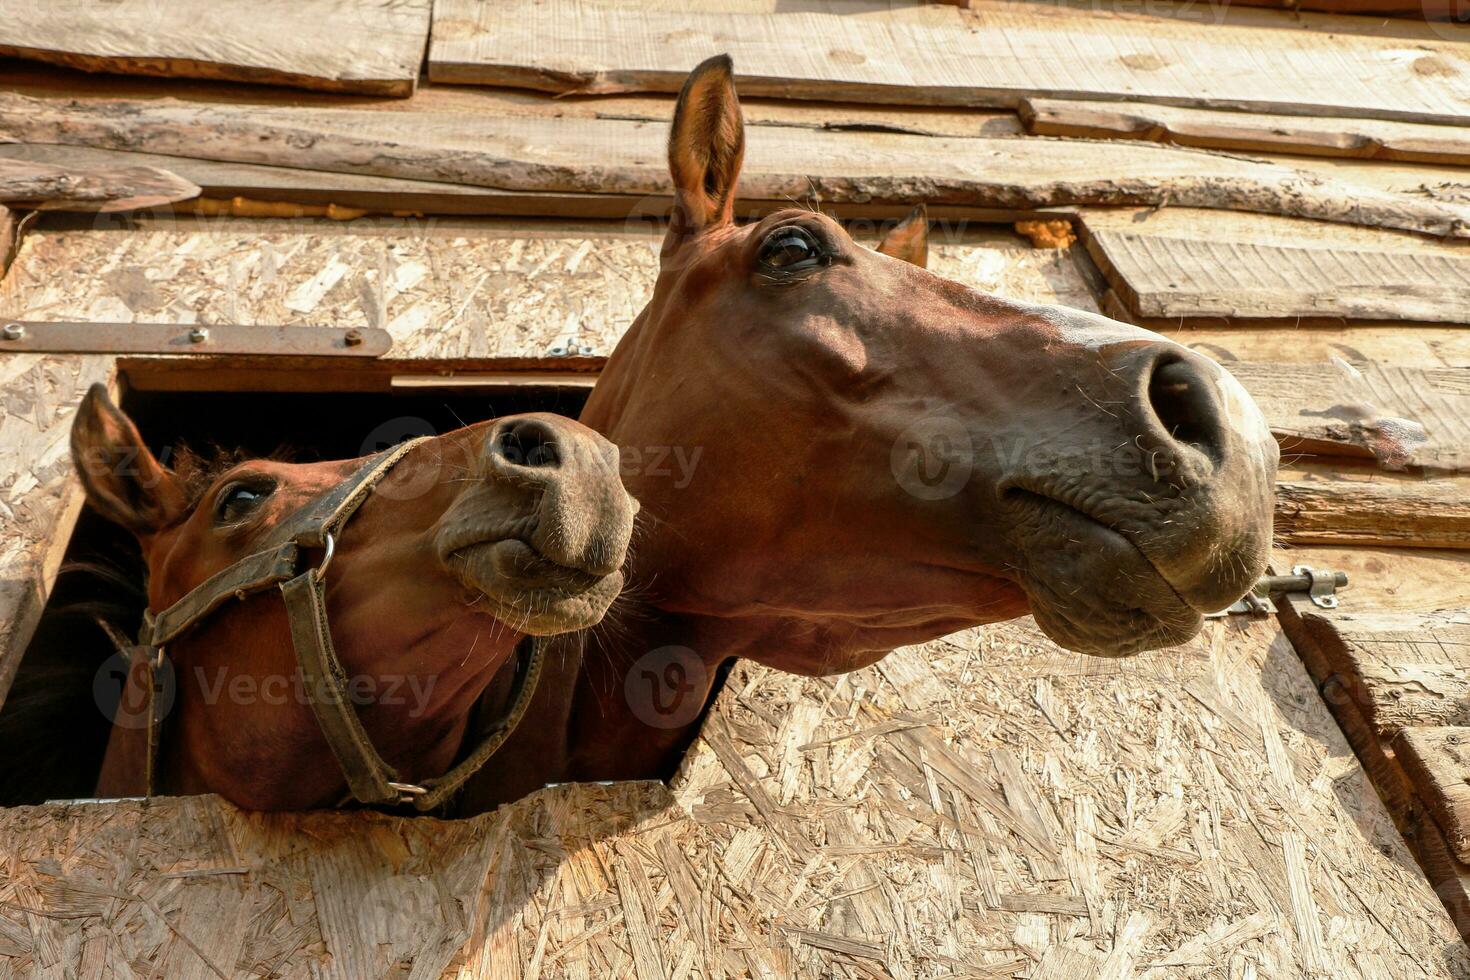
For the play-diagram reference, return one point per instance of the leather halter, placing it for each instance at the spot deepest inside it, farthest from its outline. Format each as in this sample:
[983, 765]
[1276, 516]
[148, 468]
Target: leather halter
[316, 525]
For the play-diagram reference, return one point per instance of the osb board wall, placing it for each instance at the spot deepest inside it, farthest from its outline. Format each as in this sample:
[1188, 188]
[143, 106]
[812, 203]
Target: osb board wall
[39, 498]
[442, 288]
[986, 805]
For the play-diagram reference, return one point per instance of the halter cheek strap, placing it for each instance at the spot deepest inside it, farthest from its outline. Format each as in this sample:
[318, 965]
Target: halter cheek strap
[369, 779]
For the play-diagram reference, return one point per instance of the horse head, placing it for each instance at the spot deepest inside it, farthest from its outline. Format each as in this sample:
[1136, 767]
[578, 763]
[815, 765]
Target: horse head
[886, 456]
[456, 548]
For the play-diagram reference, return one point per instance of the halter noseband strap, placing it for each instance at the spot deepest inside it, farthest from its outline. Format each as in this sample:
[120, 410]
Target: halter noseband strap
[370, 779]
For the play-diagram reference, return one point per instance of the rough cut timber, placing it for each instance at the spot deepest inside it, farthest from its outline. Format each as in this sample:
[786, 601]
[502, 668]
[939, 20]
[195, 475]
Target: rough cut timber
[1333, 646]
[1438, 762]
[372, 46]
[1364, 139]
[993, 54]
[1401, 417]
[614, 156]
[1401, 669]
[1200, 276]
[1391, 513]
[26, 184]
[1431, 9]
[984, 806]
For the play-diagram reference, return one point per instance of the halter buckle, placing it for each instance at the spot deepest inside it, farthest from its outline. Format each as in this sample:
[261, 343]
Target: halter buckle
[407, 791]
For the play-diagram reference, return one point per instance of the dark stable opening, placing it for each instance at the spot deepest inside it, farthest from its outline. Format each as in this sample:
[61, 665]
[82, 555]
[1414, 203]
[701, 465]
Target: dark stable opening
[55, 722]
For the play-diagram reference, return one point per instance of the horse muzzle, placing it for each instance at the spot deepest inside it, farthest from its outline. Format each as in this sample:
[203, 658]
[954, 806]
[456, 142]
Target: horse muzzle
[542, 528]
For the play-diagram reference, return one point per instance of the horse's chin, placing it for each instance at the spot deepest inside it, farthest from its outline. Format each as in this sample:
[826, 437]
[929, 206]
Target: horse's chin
[532, 594]
[1092, 591]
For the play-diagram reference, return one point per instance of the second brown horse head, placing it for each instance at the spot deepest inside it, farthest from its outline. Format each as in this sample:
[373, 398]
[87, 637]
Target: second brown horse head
[469, 541]
[885, 456]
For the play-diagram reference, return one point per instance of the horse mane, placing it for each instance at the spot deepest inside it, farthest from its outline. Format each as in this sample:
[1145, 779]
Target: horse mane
[52, 726]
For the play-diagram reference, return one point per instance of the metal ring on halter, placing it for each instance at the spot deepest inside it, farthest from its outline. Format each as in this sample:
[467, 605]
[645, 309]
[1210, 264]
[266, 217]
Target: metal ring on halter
[331, 547]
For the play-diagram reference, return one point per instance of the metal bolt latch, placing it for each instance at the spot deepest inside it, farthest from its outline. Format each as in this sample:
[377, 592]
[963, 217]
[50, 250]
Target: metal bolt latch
[1320, 586]
[13, 331]
[198, 335]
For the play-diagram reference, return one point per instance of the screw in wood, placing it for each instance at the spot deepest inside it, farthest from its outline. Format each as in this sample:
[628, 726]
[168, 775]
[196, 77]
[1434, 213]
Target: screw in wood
[198, 335]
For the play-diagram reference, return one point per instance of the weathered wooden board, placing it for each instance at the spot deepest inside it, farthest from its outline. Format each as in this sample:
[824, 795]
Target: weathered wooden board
[985, 805]
[39, 497]
[1438, 762]
[1417, 580]
[1432, 9]
[42, 186]
[616, 156]
[993, 54]
[1316, 635]
[1402, 417]
[1270, 230]
[1402, 669]
[340, 45]
[1366, 139]
[1201, 276]
[1383, 512]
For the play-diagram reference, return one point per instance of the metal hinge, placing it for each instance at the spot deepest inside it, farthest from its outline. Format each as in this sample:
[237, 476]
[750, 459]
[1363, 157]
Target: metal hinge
[1320, 586]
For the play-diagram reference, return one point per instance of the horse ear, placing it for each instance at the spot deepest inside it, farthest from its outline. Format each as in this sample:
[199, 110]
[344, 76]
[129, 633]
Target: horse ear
[909, 239]
[123, 480]
[706, 147]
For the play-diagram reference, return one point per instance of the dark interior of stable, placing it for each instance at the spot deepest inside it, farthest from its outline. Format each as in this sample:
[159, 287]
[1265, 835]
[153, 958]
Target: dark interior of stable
[55, 720]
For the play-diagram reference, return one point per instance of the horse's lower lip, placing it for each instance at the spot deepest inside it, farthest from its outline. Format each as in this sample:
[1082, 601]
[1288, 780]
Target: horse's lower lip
[531, 593]
[1108, 598]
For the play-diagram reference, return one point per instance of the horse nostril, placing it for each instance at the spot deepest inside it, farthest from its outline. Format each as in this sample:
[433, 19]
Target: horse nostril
[529, 442]
[1182, 396]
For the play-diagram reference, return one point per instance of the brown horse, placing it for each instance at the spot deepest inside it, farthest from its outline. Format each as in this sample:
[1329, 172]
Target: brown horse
[456, 547]
[884, 457]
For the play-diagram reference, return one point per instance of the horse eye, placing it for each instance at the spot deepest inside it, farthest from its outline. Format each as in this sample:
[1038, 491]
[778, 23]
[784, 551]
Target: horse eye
[238, 501]
[790, 248]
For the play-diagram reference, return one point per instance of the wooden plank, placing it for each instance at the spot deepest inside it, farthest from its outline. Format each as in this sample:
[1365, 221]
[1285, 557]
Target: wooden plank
[335, 45]
[1430, 9]
[1402, 417]
[1401, 669]
[1200, 276]
[1314, 634]
[1377, 512]
[1274, 822]
[622, 157]
[1398, 580]
[41, 186]
[992, 54]
[40, 497]
[1438, 762]
[1364, 139]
